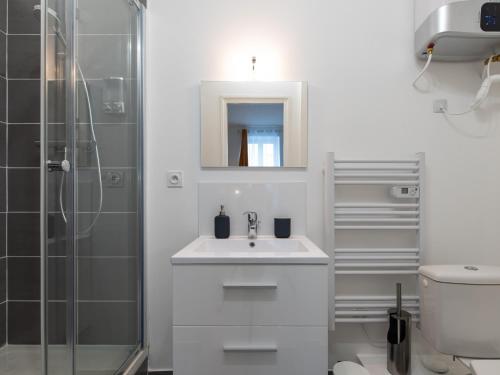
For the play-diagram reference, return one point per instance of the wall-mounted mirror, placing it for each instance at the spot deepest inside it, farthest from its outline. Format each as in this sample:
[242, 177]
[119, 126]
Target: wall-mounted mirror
[254, 124]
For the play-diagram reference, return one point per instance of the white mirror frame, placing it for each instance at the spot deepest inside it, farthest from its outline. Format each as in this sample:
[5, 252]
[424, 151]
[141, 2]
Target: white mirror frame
[215, 97]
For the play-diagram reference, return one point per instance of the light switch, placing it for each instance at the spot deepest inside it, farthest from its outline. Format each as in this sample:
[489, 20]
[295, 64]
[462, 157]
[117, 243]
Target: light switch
[175, 179]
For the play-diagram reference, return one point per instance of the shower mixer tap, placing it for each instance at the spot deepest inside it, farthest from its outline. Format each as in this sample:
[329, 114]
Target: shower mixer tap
[59, 166]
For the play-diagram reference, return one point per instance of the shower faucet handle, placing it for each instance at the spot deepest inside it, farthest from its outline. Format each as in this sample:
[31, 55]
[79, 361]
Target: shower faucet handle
[59, 166]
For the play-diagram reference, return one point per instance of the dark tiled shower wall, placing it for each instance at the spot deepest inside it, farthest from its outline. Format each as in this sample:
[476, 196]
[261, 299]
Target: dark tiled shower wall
[107, 262]
[22, 162]
[3, 183]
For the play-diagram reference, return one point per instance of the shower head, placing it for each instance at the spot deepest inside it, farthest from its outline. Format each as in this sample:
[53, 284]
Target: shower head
[52, 21]
[51, 12]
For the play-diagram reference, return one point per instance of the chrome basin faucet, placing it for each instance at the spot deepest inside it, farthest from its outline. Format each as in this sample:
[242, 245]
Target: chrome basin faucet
[253, 224]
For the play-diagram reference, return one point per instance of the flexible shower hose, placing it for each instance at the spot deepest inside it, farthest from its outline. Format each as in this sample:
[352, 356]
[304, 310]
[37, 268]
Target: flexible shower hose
[98, 159]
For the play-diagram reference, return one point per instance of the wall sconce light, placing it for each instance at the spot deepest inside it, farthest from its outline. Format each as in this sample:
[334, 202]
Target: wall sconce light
[240, 64]
[254, 72]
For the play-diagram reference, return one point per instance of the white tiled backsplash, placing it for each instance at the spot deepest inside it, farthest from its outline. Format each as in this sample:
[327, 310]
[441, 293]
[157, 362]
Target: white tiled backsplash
[269, 200]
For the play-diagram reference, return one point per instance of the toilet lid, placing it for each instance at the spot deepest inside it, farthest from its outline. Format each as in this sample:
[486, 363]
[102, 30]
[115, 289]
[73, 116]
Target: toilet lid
[349, 368]
[485, 367]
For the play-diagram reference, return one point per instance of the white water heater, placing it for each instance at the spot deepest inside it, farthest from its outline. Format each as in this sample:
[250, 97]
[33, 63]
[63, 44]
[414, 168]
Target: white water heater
[457, 30]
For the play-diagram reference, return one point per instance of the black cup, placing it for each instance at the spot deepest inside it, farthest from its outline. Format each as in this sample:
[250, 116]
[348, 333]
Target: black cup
[282, 228]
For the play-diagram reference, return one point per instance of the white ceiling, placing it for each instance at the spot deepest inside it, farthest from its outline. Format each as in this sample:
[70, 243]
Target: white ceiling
[253, 115]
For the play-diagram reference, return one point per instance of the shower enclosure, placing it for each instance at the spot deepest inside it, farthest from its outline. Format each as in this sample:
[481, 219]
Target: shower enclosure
[71, 207]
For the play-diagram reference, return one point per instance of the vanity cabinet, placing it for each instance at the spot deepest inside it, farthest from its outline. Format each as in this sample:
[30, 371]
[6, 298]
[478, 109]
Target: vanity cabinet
[250, 319]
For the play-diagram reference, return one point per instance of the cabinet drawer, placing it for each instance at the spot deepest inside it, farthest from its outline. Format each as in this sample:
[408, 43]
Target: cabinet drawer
[250, 295]
[250, 350]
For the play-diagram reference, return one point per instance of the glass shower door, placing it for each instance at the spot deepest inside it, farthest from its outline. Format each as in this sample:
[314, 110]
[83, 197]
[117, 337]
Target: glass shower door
[108, 185]
[92, 178]
[57, 188]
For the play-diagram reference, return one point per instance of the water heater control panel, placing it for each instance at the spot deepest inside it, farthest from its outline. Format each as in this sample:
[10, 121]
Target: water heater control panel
[490, 17]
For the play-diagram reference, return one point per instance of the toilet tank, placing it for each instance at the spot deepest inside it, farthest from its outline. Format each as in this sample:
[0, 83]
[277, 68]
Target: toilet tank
[460, 309]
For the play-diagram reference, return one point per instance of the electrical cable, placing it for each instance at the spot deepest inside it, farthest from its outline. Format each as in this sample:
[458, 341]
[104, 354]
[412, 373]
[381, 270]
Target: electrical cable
[482, 94]
[426, 66]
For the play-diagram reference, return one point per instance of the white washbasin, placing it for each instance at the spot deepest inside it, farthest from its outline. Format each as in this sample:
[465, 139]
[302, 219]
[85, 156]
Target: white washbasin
[265, 249]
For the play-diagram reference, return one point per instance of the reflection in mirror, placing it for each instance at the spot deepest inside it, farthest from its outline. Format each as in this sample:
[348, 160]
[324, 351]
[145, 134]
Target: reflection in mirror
[254, 124]
[255, 134]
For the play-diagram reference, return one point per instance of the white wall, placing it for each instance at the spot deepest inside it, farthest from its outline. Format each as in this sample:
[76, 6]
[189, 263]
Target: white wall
[275, 200]
[358, 59]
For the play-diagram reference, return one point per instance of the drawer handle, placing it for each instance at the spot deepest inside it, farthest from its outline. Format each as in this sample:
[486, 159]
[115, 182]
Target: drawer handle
[250, 348]
[250, 286]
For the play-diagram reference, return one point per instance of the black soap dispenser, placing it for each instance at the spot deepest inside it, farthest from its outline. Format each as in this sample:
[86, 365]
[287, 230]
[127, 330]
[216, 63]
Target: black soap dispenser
[222, 225]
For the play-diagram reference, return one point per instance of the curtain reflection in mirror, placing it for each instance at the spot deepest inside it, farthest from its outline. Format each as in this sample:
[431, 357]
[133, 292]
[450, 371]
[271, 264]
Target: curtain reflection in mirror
[265, 147]
[244, 148]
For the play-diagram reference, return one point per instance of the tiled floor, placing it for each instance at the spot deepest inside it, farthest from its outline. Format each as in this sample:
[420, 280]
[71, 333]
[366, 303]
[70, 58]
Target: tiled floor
[91, 360]
[376, 364]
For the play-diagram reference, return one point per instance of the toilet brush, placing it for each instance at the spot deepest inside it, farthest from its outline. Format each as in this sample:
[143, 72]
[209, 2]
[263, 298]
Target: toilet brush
[399, 338]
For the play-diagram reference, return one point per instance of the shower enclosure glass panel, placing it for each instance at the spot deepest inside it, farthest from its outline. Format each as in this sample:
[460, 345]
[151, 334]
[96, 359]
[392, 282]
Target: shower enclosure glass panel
[91, 210]
[108, 245]
[56, 224]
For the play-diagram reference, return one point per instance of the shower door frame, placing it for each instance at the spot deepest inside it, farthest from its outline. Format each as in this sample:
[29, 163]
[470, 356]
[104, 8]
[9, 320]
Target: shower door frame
[136, 358]
[43, 184]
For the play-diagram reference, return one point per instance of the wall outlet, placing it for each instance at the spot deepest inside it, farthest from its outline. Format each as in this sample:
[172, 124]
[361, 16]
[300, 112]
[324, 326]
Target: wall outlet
[114, 179]
[175, 179]
[440, 106]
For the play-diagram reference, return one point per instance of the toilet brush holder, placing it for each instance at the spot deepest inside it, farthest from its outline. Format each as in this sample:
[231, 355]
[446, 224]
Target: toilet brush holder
[399, 339]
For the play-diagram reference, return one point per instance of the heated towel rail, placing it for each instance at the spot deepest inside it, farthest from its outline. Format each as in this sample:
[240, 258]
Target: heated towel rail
[385, 215]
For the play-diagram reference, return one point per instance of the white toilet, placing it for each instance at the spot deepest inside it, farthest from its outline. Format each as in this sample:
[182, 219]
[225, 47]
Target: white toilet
[460, 314]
